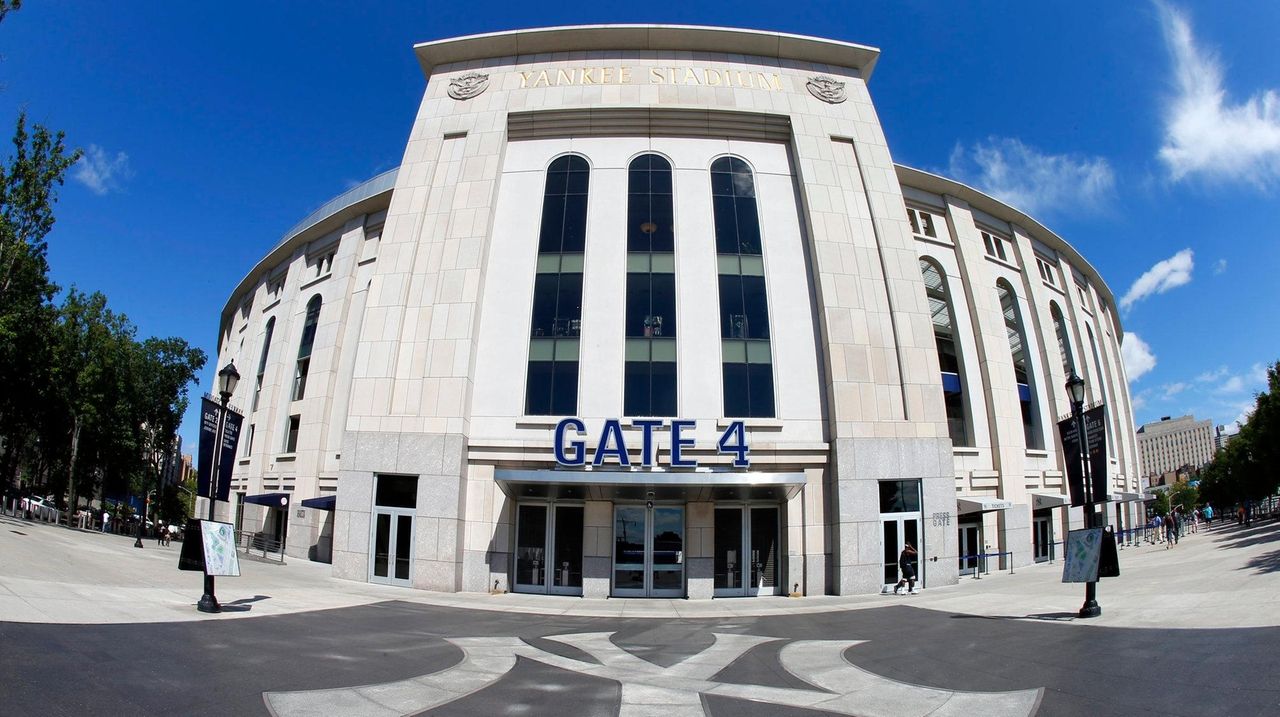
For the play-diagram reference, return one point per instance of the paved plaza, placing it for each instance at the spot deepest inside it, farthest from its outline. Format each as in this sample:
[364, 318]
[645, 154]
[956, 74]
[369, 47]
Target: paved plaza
[1187, 630]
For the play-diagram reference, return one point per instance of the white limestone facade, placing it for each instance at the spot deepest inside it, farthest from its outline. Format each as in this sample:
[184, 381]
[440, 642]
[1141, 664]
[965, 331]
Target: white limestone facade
[425, 424]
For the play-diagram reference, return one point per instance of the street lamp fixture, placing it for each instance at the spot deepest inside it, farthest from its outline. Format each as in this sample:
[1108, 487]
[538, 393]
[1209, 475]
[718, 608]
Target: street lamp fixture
[1075, 390]
[228, 377]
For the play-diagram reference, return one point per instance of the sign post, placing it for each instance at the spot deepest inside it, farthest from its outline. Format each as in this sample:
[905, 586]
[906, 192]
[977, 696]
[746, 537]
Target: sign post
[219, 434]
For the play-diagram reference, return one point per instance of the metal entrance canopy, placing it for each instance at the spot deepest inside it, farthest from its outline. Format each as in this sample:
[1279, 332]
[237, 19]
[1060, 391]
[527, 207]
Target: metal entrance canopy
[647, 485]
[966, 504]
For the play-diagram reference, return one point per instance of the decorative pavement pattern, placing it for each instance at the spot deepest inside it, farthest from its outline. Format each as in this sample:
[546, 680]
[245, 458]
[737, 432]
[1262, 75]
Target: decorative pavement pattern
[649, 689]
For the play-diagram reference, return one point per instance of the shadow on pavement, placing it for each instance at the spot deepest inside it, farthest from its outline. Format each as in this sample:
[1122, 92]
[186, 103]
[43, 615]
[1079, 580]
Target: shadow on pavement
[1262, 564]
[1255, 535]
[243, 604]
[1049, 616]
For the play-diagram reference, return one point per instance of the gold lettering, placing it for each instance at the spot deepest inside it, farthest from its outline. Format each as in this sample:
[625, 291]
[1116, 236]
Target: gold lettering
[541, 80]
[690, 77]
[606, 75]
[524, 79]
[655, 76]
[671, 75]
[624, 75]
[710, 77]
[762, 80]
[776, 82]
[748, 83]
[726, 78]
[586, 76]
[564, 77]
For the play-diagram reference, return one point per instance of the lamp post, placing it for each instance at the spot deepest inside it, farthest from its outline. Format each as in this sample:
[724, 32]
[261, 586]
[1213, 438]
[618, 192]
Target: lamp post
[1075, 390]
[228, 377]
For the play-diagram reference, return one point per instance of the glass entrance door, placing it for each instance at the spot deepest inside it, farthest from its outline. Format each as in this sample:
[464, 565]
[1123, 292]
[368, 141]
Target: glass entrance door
[1042, 535]
[392, 547]
[746, 548]
[895, 533]
[970, 547]
[549, 548]
[648, 551]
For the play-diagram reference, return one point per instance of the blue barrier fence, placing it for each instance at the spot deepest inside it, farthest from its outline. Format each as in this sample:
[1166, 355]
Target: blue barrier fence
[980, 564]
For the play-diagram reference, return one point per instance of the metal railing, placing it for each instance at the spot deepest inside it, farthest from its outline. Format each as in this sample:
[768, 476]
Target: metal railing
[260, 545]
[981, 565]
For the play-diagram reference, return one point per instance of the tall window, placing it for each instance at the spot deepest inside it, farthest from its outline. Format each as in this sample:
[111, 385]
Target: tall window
[551, 388]
[262, 361]
[1064, 340]
[744, 307]
[944, 335]
[304, 348]
[1021, 366]
[650, 385]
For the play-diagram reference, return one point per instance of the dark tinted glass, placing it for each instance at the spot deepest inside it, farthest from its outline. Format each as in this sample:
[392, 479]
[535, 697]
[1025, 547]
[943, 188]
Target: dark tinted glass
[564, 388]
[266, 344]
[537, 392]
[744, 309]
[733, 202]
[564, 206]
[737, 400]
[899, 496]
[649, 388]
[557, 305]
[651, 305]
[397, 492]
[760, 380]
[650, 219]
[309, 327]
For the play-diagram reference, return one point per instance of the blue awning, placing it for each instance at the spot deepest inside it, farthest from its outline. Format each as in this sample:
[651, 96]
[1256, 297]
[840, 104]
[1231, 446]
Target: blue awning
[271, 500]
[324, 502]
[1024, 392]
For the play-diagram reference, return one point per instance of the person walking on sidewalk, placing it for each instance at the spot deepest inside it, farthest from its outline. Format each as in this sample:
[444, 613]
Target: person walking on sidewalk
[907, 564]
[106, 518]
[1170, 531]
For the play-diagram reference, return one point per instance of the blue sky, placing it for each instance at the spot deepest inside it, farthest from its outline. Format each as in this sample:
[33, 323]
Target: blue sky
[1146, 134]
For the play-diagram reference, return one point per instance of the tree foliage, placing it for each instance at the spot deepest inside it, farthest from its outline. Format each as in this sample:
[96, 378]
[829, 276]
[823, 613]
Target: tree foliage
[1249, 467]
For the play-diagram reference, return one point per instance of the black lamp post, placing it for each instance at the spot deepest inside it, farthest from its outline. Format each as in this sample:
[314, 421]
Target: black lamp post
[1075, 390]
[228, 377]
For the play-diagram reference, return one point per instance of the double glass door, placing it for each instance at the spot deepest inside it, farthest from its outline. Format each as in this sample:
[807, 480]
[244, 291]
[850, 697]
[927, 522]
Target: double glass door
[549, 548]
[746, 550]
[1042, 534]
[392, 546]
[896, 532]
[648, 551]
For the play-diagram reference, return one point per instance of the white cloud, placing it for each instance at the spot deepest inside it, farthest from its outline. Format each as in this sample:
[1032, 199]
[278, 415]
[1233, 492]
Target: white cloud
[1235, 384]
[1173, 389]
[1165, 275]
[1219, 266]
[1031, 181]
[1140, 400]
[1214, 375]
[1137, 356]
[1204, 133]
[100, 173]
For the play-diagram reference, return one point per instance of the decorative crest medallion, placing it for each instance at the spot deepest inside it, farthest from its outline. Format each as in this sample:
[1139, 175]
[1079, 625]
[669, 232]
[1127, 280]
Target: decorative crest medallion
[466, 86]
[827, 89]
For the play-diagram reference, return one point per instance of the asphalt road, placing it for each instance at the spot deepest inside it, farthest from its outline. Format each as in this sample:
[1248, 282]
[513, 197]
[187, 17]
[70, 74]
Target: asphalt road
[225, 667]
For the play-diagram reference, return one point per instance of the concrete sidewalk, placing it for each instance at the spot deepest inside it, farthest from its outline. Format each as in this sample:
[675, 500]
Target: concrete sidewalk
[1226, 577]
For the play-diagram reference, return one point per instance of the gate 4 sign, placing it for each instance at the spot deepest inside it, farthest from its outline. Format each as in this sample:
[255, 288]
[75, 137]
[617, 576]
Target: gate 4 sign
[573, 451]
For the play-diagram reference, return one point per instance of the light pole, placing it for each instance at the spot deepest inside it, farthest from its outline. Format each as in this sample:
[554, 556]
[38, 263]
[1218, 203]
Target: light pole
[228, 377]
[1075, 390]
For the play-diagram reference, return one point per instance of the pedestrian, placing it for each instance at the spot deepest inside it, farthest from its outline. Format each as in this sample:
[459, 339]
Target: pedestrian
[168, 534]
[106, 518]
[1170, 532]
[1158, 523]
[907, 564]
[160, 533]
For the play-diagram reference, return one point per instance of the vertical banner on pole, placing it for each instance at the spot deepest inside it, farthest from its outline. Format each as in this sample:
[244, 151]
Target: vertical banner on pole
[208, 436]
[1095, 426]
[227, 459]
[1070, 433]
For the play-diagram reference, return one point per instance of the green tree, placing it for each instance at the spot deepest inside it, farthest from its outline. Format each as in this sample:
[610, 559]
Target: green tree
[1161, 503]
[1184, 496]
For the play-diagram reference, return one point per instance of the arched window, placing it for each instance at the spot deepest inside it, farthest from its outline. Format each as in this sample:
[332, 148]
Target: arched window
[650, 370]
[262, 360]
[944, 336]
[304, 348]
[1064, 339]
[744, 306]
[1021, 366]
[551, 387]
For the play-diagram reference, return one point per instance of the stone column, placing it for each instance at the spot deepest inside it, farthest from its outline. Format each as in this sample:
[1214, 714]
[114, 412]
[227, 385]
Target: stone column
[699, 544]
[597, 548]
